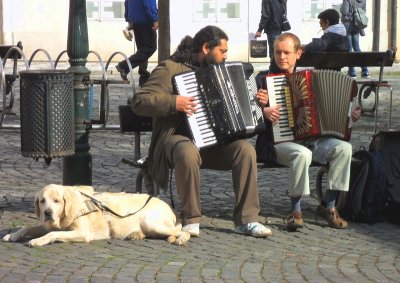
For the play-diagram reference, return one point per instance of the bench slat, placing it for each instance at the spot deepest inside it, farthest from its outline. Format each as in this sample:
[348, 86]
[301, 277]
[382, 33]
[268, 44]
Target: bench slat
[344, 59]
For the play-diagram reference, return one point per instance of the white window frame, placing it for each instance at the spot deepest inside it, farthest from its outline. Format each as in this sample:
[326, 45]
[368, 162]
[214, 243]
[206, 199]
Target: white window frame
[102, 14]
[217, 5]
[321, 6]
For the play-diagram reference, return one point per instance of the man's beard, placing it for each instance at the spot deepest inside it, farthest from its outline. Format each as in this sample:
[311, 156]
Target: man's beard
[210, 60]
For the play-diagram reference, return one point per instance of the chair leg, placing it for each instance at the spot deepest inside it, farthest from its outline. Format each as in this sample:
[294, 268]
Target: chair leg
[319, 183]
[139, 181]
[150, 185]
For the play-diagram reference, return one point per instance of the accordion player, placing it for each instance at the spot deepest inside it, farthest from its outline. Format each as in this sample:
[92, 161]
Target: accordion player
[227, 107]
[313, 103]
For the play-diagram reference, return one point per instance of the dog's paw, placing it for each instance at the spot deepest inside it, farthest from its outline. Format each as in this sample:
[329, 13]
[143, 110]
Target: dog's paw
[36, 243]
[16, 236]
[182, 239]
[171, 239]
[136, 236]
[7, 238]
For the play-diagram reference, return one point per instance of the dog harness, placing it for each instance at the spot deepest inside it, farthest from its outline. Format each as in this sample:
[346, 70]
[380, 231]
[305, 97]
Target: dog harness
[104, 208]
[90, 207]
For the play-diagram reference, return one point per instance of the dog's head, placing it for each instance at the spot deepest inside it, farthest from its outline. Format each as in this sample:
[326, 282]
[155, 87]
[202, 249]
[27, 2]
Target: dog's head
[57, 206]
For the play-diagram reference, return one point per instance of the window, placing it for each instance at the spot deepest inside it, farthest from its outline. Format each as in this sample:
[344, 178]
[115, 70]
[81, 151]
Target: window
[312, 8]
[216, 10]
[105, 10]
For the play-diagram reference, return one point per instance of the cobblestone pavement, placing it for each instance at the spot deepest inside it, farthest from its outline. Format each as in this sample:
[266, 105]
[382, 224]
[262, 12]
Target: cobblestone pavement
[317, 253]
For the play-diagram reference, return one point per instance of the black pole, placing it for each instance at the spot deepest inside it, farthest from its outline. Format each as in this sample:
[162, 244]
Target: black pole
[77, 169]
[393, 30]
[377, 25]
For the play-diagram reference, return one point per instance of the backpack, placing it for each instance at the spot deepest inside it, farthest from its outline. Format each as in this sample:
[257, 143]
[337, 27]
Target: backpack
[359, 16]
[366, 198]
[387, 142]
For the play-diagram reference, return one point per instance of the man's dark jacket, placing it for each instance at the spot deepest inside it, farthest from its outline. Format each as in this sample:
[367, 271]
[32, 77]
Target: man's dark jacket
[272, 12]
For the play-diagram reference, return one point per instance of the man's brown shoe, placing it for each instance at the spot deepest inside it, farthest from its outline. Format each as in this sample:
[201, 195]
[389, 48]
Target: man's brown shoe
[294, 221]
[332, 217]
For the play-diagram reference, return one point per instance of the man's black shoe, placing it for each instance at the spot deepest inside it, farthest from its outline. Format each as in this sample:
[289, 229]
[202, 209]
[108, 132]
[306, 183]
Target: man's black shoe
[122, 73]
[142, 80]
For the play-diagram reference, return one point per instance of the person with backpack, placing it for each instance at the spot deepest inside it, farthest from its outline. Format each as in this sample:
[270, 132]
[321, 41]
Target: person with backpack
[354, 30]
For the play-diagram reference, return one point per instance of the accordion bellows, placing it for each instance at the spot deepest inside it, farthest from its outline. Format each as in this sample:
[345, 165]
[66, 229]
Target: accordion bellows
[314, 103]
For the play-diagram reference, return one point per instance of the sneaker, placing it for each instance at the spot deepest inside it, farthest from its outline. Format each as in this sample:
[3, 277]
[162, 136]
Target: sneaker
[294, 221]
[192, 229]
[122, 73]
[332, 217]
[254, 229]
[365, 75]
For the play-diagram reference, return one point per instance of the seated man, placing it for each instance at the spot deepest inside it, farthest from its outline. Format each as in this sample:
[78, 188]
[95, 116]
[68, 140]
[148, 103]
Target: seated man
[298, 155]
[171, 144]
[334, 38]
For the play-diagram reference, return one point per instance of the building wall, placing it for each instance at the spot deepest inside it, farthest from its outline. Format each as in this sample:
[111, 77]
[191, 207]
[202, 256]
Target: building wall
[44, 24]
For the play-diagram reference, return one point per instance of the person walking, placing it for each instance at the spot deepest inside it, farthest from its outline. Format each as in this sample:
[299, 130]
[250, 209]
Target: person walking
[142, 18]
[353, 32]
[272, 17]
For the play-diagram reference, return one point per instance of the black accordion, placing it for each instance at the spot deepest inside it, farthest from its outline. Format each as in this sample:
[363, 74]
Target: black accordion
[227, 107]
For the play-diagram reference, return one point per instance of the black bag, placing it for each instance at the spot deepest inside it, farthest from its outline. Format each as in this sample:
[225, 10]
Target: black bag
[366, 198]
[258, 48]
[265, 149]
[387, 142]
[131, 122]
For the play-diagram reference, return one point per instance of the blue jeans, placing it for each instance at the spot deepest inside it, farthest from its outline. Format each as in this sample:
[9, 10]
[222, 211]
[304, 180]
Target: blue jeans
[354, 44]
[271, 35]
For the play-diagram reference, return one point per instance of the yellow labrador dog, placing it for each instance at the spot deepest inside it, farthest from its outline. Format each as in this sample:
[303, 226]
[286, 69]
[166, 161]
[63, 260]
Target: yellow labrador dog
[78, 214]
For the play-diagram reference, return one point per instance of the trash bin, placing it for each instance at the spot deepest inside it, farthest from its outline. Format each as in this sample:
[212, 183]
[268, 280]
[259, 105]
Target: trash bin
[47, 113]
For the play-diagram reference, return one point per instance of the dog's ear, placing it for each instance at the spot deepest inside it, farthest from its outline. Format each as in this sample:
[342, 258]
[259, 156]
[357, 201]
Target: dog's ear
[72, 204]
[37, 207]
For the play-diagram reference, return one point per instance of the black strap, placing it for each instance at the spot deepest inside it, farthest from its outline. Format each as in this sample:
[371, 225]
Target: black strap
[170, 190]
[101, 206]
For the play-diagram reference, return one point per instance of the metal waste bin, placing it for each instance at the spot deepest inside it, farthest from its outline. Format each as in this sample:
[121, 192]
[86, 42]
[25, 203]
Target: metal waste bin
[47, 113]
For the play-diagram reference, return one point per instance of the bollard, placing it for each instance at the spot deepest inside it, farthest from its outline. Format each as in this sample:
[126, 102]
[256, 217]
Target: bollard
[47, 114]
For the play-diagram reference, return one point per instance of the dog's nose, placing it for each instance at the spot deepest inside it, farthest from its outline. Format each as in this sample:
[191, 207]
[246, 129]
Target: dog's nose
[48, 216]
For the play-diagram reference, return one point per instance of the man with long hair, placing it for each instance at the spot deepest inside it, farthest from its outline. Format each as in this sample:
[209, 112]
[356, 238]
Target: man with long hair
[171, 145]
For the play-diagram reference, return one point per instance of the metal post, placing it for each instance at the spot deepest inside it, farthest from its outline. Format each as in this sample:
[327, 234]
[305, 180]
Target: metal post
[376, 25]
[393, 28]
[77, 169]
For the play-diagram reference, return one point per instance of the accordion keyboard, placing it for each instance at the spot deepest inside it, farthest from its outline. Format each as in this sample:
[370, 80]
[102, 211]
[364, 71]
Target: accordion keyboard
[279, 93]
[199, 122]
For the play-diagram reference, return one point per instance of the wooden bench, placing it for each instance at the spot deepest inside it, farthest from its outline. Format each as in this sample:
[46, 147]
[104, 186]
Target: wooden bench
[332, 60]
